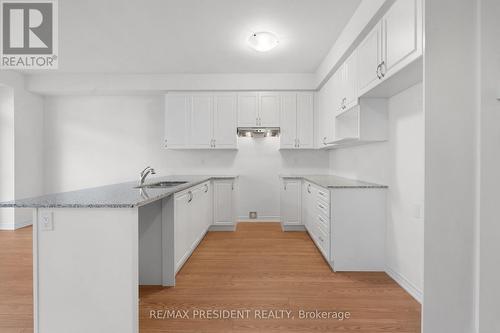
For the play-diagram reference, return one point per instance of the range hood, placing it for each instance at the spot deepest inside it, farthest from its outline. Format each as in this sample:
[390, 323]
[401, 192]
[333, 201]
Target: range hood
[258, 132]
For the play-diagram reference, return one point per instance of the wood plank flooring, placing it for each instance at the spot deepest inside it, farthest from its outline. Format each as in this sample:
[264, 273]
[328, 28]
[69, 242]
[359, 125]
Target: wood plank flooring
[260, 267]
[256, 268]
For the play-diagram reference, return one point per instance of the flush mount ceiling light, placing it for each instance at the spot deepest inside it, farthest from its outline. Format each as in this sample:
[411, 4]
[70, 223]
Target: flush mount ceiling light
[263, 41]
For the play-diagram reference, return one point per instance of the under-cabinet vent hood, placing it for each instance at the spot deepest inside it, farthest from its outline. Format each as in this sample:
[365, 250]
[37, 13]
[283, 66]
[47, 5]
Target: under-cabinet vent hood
[258, 132]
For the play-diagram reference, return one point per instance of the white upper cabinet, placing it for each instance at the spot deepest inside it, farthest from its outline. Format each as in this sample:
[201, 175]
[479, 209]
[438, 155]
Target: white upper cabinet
[177, 113]
[369, 57]
[224, 120]
[328, 105]
[305, 120]
[201, 121]
[258, 109]
[269, 109]
[248, 114]
[297, 120]
[394, 43]
[288, 121]
[402, 34]
[349, 83]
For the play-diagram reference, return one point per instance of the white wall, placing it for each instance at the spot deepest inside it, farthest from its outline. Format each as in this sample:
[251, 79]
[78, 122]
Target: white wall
[450, 167]
[6, 155]
[489, 233]
[96, 140]
[26, 132]
[399, 163]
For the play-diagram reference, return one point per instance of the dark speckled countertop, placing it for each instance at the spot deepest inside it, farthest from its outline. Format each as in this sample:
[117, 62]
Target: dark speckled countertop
[123, 195]
[332, 181]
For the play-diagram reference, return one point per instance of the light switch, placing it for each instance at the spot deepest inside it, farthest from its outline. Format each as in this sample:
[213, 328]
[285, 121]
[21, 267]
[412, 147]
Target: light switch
[46, 221]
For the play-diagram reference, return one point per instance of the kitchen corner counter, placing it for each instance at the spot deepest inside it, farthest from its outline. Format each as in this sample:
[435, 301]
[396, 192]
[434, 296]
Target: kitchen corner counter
[332, 181]
[122, 195]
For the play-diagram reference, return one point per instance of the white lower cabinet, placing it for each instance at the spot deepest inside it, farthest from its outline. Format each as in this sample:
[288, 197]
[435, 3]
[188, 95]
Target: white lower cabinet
[290, 198]
[347, 225]
[224, 204]
[192, 218]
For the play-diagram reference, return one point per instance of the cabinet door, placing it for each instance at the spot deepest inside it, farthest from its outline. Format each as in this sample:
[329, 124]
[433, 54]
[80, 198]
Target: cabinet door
[350, 82]
[248, 104]
[177, 113]
[369, 57]
[181, 229]
[401, 31]
[223, 202]
[224, 120]
[207, 205]
[305, 120]
[290, 209]
[327, 107]
[269, 109]
[288, 121]
[201, 121]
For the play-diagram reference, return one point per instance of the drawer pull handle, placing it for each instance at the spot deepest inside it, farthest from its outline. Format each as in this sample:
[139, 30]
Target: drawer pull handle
[321, 206]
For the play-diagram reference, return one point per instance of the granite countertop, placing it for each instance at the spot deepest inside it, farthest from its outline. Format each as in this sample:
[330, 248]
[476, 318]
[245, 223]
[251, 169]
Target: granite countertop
[332, 181]
[123, 195]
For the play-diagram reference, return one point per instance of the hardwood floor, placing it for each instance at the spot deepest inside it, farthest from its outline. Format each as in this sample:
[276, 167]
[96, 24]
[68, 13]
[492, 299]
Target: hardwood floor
[260, 267]
[256, 268]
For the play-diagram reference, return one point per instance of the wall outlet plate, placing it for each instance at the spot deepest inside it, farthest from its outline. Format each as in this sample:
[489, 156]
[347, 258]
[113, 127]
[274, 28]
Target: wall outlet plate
[46, 221]
[252, 215]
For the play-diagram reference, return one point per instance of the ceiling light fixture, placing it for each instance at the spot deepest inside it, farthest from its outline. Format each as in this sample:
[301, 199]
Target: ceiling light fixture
[263, 41]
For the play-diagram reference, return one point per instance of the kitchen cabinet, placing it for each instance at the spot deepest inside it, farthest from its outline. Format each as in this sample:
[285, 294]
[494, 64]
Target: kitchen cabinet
[258, 109]
[369, 57]
[224, 204]
[393, 44]
[348, 84]
[346, 225]
[290, 198]
[201, 121]
[191, 220]
[248, 109]
[224, 120]
[327, 107]
[297, 120]
[177, 113]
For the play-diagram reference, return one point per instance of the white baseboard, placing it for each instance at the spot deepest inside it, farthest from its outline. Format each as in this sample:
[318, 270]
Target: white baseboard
[228, 227]
[259, 219]
[7, 226]
[23, 224]
[288, 227]
[416, 293]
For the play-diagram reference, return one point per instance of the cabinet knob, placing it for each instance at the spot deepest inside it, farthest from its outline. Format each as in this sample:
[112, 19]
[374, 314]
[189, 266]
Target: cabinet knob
[383, 69]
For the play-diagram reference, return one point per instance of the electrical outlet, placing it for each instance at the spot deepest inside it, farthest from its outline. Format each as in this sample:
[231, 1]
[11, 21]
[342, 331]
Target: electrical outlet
[46, 221]
[252, 215]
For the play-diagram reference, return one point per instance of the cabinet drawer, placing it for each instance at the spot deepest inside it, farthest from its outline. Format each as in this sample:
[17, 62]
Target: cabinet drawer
[323, 242]
[323, 208]
[323, 194]
[323, 222]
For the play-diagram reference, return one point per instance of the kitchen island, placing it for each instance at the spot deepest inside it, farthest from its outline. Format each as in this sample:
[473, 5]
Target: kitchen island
[92, 248]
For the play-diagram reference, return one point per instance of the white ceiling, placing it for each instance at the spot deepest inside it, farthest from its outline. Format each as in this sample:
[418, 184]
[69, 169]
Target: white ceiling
[196, 36]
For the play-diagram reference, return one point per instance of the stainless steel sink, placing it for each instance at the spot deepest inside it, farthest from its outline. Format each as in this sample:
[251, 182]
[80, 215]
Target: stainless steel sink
[162, 184]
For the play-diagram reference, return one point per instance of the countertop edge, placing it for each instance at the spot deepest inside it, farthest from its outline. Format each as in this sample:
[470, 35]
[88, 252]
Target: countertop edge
[309, 178]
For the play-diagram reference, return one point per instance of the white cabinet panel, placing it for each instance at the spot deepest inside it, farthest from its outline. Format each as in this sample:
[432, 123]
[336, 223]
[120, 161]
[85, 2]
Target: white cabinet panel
[248, 104]
[288, 120]
[177, 113]
[291, 202]
[181, 229]
[201, 121]
[349, 82]
[225, 120]
[400, 31]
[369, 55]
[269, 108]
[223, 202]
[305, 120]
